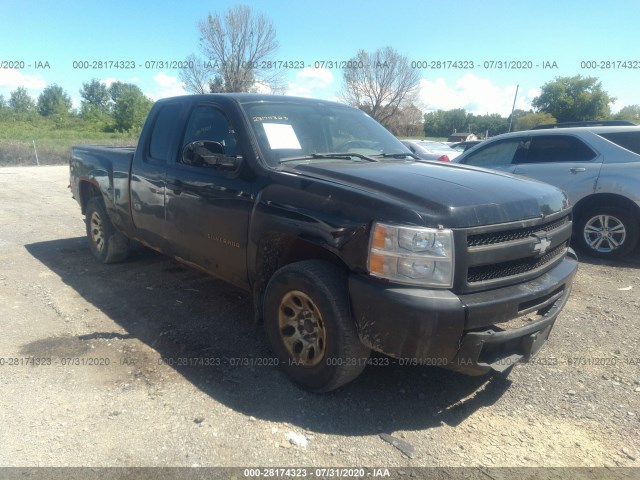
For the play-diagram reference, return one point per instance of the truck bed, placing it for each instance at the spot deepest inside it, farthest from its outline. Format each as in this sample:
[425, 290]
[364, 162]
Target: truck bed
[108, 169]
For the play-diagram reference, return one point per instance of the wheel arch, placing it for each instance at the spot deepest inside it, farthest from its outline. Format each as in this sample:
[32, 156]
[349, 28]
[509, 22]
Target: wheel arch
[279, 250]
[615, 243]
[600, 199]
[88, 190]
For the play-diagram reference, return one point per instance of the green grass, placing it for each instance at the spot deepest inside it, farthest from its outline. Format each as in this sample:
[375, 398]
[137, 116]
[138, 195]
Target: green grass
[53, 140]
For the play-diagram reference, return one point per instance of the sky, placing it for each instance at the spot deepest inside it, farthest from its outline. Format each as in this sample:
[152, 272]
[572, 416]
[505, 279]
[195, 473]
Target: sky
[48, 41]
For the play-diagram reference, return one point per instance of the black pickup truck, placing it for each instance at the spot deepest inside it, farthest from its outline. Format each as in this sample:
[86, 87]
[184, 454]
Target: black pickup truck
[346, 241]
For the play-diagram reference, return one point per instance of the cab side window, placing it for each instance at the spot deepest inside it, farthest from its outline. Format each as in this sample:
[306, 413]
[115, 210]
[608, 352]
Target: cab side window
[209, 123]
[163, 130]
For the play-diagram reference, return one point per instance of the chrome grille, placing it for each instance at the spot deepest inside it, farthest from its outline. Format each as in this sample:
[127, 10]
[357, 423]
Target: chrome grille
[492, 238]
[499, 255]
[483, 273]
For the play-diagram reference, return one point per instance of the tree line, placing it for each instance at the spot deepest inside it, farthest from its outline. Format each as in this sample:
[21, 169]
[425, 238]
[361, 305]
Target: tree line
[564, 99]
[121, 107]
[237, 53]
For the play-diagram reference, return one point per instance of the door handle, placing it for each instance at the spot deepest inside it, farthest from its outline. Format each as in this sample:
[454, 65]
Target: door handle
[577, 169]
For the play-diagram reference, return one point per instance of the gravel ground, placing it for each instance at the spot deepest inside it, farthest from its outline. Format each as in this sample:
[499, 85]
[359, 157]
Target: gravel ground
[116, 384]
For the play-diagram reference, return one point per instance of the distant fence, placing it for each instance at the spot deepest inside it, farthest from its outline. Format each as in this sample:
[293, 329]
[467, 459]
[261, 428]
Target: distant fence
[13, 152]
[44, 152]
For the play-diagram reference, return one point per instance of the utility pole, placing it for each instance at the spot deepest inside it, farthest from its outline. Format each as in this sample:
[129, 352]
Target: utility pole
[513, 107]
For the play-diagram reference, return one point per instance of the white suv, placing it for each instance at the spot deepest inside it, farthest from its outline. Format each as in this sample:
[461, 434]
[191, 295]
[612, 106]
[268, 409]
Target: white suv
[598, 168]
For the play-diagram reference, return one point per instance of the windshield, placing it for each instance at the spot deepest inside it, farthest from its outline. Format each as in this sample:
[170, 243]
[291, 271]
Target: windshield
[311, 131]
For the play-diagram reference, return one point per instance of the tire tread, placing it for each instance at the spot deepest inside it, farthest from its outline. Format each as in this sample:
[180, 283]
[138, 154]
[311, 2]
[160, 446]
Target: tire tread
[116, 244]
[331, 282]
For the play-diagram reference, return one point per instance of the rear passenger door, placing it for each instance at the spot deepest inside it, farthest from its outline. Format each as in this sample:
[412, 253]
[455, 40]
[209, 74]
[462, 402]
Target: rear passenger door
[564, 161]
[148, 176]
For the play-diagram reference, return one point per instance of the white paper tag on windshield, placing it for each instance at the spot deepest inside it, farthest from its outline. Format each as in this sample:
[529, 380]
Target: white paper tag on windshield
[281, 136]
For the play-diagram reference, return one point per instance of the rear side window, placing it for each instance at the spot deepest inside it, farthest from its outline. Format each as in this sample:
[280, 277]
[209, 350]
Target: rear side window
[163, 131]
[557, 148]
[499, 153]
[628, 140]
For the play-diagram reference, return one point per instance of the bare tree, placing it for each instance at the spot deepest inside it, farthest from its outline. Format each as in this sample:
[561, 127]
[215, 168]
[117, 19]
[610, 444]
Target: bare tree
[196, 76]
[408, 122]
[380, 83]
[238, 49]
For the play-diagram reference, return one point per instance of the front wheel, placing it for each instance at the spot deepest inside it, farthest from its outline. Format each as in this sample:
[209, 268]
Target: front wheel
[309, 325]
[607, 232]
[106, 243]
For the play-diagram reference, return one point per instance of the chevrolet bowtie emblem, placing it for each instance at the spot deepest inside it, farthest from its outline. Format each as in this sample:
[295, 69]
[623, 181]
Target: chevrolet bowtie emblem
[541, 247]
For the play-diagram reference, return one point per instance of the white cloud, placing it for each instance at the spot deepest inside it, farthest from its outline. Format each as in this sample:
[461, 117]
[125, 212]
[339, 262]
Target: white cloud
[617, 106]
[311, 82]
[620, 103]
[163, 85]
[534, 92]
[262, 88]
[164, 80]
[166, 86]
[12, 79]
[476, 95]
[107, 82]
[319, 77]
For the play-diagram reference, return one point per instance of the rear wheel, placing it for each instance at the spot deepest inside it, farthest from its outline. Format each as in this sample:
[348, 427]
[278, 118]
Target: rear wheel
[106, 243]
[607, 232]
[309, 325]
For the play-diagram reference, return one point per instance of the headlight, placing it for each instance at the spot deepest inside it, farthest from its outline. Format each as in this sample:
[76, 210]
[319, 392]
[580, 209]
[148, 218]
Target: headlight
[416, 256]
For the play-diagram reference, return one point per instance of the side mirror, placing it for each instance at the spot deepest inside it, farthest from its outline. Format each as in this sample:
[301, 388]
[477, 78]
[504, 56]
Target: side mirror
[206, 153]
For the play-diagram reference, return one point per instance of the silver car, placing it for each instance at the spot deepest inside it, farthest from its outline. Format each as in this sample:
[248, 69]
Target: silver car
[598, 168]
[429, 150]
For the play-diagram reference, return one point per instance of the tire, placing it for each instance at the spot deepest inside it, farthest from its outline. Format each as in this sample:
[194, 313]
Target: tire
[606, 231]
[308, 323]
[106, 243]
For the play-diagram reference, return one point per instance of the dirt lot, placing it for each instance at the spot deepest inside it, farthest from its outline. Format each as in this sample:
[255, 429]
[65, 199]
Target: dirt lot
[96, 369]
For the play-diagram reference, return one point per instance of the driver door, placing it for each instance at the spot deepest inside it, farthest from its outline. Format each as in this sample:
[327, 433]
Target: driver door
[208, 206]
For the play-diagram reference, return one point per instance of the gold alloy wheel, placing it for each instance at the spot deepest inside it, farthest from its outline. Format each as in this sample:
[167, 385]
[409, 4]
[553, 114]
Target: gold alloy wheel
[97, 231]
[302, 329]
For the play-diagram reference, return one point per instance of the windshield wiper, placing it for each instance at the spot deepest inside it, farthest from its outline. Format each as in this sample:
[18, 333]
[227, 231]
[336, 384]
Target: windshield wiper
[396, 155]
[339, 155]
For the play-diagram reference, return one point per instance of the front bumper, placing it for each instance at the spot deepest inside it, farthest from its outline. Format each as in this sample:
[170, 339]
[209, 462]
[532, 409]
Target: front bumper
[469, 333]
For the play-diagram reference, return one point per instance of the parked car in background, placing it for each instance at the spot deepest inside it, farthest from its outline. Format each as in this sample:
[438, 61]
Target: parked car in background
[428, 150]
[464, 146]
[457, 137]
[598, 168]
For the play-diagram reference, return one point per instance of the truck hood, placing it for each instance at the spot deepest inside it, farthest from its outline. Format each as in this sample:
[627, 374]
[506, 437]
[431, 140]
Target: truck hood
[455, 196]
